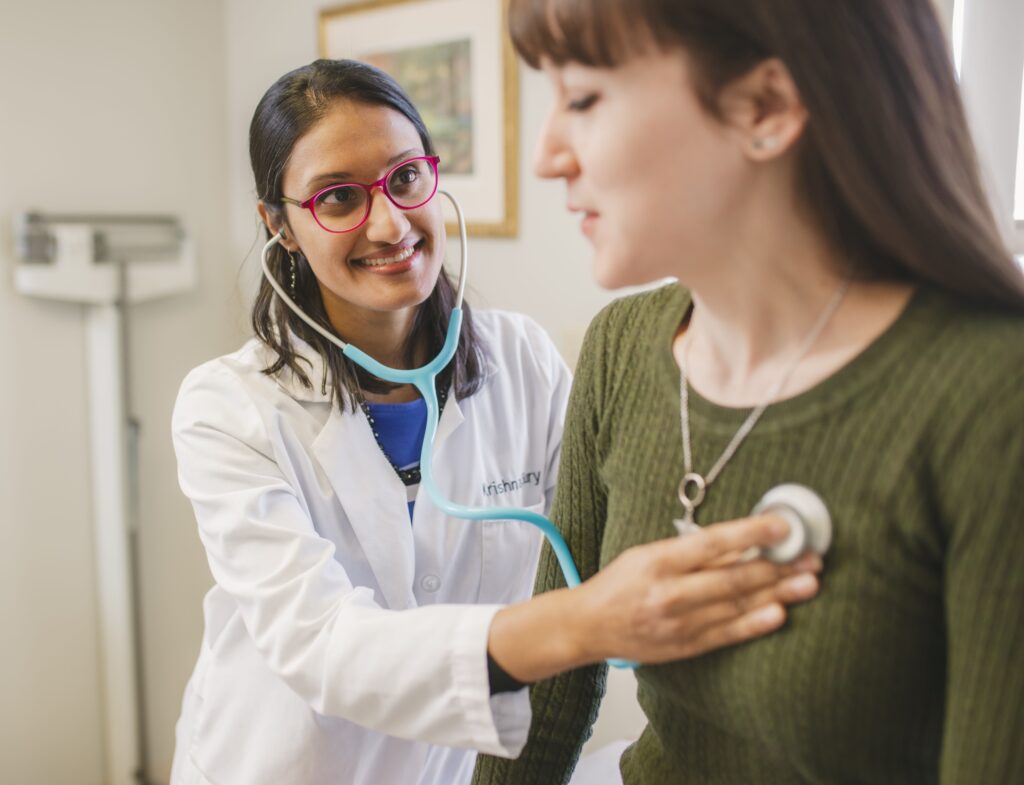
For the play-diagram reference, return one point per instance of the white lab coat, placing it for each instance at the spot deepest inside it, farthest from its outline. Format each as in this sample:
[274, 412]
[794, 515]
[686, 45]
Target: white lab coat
[343, 645]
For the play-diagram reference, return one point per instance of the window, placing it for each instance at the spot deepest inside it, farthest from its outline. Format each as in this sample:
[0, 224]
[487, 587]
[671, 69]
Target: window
[958, 33]
[1018, 209]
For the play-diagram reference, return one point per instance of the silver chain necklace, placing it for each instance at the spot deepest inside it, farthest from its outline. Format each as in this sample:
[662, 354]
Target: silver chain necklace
[693, 487]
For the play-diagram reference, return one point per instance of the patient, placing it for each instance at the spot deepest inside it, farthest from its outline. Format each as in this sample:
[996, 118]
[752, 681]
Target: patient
[846, 317]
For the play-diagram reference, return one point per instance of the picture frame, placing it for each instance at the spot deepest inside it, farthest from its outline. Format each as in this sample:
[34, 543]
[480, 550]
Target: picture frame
[455, 59]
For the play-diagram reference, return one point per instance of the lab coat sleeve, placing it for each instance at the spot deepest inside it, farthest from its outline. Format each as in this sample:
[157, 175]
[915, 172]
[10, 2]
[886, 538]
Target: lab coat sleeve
[981, 497]
[416, 674]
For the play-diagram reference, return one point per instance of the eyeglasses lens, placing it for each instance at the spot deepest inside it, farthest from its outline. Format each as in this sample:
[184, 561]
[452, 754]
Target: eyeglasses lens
[412, 183]
[344, 207]
[341, 208]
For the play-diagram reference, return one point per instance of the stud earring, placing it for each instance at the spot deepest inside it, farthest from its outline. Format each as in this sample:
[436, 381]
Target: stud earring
[766, 143]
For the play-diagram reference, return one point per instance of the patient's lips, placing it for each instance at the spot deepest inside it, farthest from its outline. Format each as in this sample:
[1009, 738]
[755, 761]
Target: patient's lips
[589, 220]
[589, 223]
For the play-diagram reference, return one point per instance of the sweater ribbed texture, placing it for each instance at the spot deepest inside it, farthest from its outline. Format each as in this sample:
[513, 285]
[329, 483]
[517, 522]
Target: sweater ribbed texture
[909, 666]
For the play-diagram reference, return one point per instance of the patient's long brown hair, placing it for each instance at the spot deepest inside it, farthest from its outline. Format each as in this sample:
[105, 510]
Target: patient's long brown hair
[886, 166]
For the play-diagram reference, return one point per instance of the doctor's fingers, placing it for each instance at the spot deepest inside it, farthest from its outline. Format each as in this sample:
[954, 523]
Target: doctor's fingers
[743, 587]
[704, 629]
[720, 541]
[694, 641]
[808, 562]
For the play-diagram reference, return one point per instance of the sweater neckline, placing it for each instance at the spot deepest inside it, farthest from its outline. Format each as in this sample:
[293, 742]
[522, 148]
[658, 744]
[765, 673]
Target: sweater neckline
[912, 325]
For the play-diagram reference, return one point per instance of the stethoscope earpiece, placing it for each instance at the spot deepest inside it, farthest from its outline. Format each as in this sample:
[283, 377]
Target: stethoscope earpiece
[810, 525]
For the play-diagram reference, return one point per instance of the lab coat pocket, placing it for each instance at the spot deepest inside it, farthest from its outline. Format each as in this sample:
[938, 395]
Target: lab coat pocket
[509, 558]
[253, 728]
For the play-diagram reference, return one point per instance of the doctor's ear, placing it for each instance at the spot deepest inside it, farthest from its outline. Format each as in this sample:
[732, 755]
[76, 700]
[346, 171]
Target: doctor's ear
[766, 108]
[275, 224]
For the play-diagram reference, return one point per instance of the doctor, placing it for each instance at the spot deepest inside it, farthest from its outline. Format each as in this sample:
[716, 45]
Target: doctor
[348, 635]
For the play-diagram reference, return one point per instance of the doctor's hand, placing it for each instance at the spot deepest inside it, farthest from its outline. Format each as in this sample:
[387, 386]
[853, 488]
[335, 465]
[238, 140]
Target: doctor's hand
[667, 600]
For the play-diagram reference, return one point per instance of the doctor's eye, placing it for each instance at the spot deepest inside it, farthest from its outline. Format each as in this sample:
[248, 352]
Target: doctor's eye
[406, 175]
[412, 183]
[341, 198]
[408, 178]
[583, 104]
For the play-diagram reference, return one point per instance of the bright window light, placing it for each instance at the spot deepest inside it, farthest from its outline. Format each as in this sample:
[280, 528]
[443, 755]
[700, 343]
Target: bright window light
[958, 33]
[1018, 210]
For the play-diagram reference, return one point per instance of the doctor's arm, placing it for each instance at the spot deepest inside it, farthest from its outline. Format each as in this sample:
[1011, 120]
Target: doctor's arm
[416, 674]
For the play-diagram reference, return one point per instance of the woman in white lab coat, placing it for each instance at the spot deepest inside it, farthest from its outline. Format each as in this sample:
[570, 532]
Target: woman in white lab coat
[347, 634]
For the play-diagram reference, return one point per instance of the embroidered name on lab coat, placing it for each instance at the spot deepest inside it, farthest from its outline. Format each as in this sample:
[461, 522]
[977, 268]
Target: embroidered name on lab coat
[497, 487]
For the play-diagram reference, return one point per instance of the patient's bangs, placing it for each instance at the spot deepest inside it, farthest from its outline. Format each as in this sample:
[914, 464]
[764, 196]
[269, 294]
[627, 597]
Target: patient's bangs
[598, 34]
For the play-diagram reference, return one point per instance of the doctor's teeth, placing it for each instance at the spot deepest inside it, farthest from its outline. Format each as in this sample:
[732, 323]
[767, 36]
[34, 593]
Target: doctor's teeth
[399, 257]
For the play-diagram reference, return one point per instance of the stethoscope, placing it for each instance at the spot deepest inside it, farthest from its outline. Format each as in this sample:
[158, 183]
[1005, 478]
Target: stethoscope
[810, 524]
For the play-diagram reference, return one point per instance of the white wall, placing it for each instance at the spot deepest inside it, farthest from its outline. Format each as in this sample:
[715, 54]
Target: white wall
[118, 106]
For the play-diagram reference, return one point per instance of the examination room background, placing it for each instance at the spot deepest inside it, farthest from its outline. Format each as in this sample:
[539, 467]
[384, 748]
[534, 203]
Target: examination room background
[142, 106]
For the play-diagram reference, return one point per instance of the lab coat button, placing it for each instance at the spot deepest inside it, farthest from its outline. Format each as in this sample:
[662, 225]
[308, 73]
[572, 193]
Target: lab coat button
[430, 583]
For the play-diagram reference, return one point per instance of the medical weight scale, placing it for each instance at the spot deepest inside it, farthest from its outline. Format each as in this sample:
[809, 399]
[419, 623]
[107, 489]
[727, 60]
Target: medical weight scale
[106, 263]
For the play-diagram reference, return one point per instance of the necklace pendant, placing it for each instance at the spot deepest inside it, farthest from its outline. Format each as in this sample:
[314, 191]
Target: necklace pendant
[685, 525]
[691, 493]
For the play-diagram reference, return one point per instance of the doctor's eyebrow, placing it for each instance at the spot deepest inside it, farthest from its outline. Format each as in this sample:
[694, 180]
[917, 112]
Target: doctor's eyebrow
[338, 177]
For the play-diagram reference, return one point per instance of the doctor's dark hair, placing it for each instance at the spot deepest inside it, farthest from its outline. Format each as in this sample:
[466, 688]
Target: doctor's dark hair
[288, 110]
[886, 165]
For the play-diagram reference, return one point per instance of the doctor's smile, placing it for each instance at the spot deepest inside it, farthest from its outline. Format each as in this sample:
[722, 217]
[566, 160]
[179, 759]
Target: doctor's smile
[392, 261]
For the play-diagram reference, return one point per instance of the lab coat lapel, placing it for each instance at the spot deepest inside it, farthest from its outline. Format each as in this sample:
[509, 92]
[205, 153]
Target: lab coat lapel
[451, 418]
[374, 501]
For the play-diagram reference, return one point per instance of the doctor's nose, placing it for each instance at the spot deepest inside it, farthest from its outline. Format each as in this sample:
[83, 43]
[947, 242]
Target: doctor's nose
[552, 156]
[386, 222]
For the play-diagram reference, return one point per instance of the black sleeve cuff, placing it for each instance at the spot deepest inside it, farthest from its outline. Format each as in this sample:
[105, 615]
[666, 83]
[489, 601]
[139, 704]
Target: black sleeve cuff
[500, 681]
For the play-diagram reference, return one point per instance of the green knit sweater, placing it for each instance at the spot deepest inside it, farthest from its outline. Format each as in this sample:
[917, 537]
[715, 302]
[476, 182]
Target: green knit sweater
[909, 666]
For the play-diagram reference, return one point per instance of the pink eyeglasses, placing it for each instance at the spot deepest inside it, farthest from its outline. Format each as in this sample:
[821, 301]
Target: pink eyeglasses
[346, 206]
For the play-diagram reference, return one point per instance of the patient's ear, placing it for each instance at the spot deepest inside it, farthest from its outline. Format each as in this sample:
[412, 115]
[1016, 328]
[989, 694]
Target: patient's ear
[765, 107]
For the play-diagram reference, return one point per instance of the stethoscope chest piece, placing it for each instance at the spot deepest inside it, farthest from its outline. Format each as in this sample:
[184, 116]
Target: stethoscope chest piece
[810, 525]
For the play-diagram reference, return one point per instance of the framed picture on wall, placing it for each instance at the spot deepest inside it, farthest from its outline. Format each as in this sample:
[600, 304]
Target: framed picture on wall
[455, 60]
